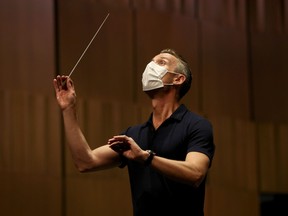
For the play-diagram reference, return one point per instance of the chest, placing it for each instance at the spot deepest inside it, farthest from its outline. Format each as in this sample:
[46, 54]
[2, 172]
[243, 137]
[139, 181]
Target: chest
[169, 140]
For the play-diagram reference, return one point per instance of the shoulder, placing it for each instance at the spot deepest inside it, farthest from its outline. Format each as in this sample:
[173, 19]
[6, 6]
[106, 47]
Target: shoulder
[196, 120]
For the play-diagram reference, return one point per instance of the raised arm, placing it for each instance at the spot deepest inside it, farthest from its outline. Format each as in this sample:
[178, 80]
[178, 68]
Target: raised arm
[84, 158]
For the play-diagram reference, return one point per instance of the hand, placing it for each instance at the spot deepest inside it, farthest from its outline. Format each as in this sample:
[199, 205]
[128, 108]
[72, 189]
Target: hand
[65, 92]
[127, 147]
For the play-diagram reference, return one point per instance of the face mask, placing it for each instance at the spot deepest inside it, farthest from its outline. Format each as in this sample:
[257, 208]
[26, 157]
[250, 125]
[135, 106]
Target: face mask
[152, 76]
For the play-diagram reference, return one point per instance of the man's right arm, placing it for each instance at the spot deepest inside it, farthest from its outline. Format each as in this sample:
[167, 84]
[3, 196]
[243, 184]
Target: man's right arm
[84, 158]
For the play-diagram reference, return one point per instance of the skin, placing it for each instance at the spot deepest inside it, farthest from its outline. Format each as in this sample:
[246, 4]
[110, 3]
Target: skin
[164, 102]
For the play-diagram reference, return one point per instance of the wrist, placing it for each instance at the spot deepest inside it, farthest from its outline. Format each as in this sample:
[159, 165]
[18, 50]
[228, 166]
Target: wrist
[150, 157]
[71, 109]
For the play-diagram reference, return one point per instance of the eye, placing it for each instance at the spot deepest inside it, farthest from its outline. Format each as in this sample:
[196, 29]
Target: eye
[161, 62]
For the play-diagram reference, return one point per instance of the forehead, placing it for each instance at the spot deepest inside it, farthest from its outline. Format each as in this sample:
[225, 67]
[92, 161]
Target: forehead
[168, 58]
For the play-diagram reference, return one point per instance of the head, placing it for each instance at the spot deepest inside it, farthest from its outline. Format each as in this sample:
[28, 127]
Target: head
[172, 70]
[182, 67]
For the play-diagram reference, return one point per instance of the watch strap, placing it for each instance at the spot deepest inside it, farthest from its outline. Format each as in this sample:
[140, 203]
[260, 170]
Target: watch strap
[148, 161]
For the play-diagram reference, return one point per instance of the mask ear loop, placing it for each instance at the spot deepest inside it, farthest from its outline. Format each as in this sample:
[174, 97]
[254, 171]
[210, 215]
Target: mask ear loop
[175, 73]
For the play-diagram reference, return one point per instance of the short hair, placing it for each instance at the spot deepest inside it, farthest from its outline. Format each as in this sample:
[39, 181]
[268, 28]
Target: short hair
[183, 68]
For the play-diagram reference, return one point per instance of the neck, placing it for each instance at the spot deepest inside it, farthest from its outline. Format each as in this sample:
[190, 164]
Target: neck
[163, 107]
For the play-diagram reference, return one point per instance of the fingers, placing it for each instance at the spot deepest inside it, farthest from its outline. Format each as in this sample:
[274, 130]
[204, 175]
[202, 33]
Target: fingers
[120, 143]
[70, 83]
[121, 138]
[55, 85]
[120, 147]
[62, 83]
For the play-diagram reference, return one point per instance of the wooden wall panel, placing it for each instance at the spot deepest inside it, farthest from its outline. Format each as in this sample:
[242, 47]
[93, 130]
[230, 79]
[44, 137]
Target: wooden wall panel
[225, 72]
[270, 77]
[269, 48]
[246, 155]
[231, 201]
[29, 140]
[236, 157]
[272, 144]
[26, 45]
[232, 182]
[5, 107]
[31, 143]
[282, 159]
[224, 13]
[106, 70]
[267, 156]
[102, 194]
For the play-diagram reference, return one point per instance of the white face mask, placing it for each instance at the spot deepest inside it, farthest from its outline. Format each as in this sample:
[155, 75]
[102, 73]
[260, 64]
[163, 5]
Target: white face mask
[152, 76]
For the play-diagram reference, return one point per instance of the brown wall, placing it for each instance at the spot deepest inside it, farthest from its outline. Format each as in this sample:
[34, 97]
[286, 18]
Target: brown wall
[30, 126]
[236, 49]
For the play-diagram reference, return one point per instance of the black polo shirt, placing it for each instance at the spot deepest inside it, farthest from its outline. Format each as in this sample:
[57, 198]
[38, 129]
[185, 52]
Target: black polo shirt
[153, 193]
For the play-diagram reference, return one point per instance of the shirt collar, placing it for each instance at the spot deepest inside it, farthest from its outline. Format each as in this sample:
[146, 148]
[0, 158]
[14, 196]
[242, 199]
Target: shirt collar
[177, 115]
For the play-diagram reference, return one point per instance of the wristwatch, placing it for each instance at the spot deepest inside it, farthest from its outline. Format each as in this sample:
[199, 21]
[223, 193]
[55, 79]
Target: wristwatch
[148, 161]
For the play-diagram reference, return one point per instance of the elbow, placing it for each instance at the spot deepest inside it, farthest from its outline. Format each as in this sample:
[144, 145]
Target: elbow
[81, 168]
[198, 180]
[193, 179]
[84, 166]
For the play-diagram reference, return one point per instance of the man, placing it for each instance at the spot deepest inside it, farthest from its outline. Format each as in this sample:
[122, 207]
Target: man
[168, 157]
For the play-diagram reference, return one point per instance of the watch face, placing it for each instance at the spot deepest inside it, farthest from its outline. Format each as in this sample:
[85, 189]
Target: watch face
[151, 152]
[150, 158]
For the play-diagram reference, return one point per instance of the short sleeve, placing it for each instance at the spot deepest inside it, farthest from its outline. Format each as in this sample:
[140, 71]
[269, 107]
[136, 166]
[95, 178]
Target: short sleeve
[201, 138]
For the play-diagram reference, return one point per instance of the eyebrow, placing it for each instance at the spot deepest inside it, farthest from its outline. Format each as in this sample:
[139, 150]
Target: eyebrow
[162, 57]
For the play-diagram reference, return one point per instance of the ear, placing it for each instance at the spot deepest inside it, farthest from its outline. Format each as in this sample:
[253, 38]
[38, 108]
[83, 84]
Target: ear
[178, 80]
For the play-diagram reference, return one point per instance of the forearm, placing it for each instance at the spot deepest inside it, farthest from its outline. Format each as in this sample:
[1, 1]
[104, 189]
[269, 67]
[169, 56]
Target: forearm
[191, 171]
[77, 144]
[188, 172]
